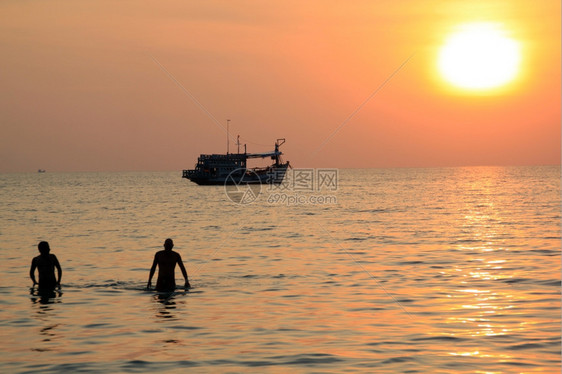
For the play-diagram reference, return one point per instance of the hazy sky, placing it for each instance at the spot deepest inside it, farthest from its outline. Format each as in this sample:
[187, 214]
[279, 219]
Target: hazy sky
[140, 85]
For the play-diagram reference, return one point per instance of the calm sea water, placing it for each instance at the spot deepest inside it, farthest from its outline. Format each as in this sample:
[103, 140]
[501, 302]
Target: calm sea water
[410, 270]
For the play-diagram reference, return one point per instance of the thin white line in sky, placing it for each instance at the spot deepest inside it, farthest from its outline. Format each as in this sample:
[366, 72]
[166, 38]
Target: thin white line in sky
[360, 106]
[186, 91]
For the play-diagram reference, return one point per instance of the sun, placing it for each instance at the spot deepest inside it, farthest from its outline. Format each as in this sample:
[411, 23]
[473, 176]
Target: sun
[479, 57]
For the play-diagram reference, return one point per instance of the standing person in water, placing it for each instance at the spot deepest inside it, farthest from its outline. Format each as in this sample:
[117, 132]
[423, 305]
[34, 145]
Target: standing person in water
[45, 263]
[166, 261]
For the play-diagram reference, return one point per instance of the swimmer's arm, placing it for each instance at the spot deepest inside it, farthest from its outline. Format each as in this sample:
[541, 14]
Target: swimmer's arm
[183, 271]
[152, 270]
[59, 269]
[32, 271]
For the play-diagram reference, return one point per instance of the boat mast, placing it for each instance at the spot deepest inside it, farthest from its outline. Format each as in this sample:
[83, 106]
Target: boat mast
[227, 137]
[278, 143]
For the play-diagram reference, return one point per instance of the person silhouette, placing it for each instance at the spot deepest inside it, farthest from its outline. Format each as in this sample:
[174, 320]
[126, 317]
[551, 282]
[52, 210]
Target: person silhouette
[166, 261]
[45, 264]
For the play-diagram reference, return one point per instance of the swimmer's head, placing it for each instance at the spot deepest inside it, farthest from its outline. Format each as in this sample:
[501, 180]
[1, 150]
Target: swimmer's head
[44, 248]
[168, 244]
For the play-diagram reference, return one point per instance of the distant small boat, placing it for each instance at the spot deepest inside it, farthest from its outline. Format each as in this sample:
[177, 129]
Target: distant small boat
[231, 168]
[41, 170]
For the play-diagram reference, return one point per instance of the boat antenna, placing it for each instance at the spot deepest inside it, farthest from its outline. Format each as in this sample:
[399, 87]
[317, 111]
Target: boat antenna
[227, 137]
[238, 143]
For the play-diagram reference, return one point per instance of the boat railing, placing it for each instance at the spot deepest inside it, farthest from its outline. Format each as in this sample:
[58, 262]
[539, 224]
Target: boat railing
[230, 156]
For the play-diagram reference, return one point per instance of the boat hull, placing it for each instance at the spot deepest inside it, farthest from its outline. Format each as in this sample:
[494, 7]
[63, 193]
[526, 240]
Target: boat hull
[271, 175]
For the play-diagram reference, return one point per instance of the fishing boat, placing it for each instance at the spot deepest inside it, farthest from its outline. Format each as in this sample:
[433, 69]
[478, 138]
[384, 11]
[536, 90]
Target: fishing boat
[232, 168]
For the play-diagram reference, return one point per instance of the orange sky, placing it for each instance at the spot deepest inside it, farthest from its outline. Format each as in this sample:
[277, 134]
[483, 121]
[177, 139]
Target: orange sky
[81, 88]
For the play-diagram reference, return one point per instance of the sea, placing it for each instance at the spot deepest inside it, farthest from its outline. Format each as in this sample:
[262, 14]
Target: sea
[423, 270]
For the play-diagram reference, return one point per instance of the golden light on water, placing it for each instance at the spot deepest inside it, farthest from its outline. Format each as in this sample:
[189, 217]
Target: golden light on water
[479, 57]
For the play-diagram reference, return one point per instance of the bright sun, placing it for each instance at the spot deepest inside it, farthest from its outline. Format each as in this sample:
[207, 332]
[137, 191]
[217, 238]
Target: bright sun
[479, 57]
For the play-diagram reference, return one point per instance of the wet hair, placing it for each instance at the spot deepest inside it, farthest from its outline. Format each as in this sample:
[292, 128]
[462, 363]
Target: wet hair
[44, 248]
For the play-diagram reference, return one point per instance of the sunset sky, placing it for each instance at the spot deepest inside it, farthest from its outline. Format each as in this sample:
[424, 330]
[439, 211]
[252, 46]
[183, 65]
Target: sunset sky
[148, 85]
